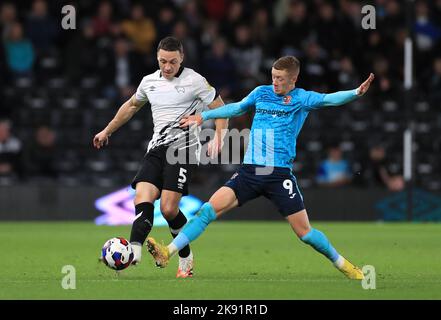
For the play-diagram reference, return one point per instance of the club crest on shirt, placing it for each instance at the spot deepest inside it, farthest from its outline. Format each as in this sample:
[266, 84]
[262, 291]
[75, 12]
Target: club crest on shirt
[180, 89]
[287, 99]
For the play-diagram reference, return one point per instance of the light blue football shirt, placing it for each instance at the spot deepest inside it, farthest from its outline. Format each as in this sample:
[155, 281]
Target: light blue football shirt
[278, 120]
[277, 123]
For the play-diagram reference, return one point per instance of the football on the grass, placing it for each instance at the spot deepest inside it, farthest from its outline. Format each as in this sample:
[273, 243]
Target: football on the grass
[117, 253]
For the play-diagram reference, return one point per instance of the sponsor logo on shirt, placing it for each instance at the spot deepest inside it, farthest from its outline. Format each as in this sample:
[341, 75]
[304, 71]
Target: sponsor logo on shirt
[274, 113]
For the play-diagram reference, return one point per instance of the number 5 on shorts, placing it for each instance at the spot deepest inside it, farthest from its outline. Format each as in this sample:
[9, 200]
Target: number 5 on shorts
[182, 178]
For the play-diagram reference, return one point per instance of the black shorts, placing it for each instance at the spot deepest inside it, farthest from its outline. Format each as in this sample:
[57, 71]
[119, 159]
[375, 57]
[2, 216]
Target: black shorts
[156, 170]
[280, 187]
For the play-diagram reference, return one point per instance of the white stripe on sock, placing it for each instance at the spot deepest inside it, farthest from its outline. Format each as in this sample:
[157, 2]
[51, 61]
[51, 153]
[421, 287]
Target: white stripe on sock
[339, 262]
[172, 249]
[137, 252]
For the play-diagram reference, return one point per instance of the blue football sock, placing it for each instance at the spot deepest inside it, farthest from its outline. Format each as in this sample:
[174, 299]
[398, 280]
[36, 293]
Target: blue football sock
[180, 241]
[195, 227]
[320, 242]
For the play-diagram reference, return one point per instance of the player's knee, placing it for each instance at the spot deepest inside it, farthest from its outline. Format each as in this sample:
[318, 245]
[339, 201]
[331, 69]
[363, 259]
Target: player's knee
[169, 211]
[139, 199]
[302, 233]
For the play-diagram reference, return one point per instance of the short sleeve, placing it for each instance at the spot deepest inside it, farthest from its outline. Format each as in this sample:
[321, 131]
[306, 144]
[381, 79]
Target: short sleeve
[140, 94]
[311, 100]
[204, 90]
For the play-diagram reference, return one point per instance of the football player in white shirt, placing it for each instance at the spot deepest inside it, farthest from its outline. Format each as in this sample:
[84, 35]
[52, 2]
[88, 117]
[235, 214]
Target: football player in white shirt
[173, 92]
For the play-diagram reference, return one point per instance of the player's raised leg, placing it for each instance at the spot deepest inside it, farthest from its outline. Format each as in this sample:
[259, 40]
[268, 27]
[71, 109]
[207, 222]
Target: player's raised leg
[176, 221]
[146, 194]
[222, 200]
[315, 238]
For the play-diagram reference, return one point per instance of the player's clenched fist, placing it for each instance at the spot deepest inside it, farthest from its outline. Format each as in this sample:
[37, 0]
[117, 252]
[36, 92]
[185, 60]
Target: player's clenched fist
[101, 139]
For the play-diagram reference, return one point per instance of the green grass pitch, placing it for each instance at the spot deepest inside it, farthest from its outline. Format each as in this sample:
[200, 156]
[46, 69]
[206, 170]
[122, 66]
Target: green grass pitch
[233, 260]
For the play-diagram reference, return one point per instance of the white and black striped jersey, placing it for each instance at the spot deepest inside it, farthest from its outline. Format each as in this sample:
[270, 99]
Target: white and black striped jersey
[187, 93]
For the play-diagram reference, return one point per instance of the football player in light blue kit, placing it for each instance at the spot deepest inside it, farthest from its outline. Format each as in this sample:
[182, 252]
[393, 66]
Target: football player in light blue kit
[280, 111]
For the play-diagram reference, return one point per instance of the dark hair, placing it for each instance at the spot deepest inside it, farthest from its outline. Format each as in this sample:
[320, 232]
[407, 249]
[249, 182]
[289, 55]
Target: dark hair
[171, 44]
[288, 63]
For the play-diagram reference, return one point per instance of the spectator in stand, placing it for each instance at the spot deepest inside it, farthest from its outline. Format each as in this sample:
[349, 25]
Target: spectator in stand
[297, 27]
[102, 23]
[192, 15]
[393, 19]
[386, 87]
[262, 32]
[8, 15]
[327, 29]
[247, 57]
[215, 9]
[233, 19]
[41, 154]
[347, 76]
[20, 55]
[121, 70]
[280, 12]
[41, 28]
[376, 170]
[374, 42]
[427, 32]
[334, 171]
[210, 32]
[166, 21]
[349, 28]
[191, 48]
[10, 151]
[140, 30]
[219, 69]
[76, 64]
[315, 69]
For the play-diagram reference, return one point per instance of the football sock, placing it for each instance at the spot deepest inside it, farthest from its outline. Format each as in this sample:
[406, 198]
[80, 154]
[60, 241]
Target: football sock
[143, 223]
[176, 226]
[320, 242]
[194, 228]
[339, 262]
[137, 252]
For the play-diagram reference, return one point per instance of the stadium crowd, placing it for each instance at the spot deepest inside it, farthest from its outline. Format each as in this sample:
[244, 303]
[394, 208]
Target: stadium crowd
[58, 87]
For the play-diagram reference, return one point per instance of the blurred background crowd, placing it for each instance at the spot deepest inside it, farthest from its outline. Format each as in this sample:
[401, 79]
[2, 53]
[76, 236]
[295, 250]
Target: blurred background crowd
[58, 88]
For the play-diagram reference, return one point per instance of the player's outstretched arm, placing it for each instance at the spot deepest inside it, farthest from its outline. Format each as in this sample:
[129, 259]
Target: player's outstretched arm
[125, 112]
[230, 110]
[342, 97]
[216, 144]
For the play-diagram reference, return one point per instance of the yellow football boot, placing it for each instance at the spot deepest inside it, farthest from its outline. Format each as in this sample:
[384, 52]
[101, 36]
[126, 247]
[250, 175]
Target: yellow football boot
[159, 252]
[351, 271]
